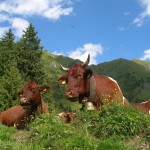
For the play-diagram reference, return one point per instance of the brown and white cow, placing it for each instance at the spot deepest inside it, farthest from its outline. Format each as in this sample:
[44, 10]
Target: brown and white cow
[98, 89]
[31, 104]
[144, 106]
[67, 117]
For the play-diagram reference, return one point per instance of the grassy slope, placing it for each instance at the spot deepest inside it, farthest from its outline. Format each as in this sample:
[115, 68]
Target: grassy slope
[143, 63]
[114, 127]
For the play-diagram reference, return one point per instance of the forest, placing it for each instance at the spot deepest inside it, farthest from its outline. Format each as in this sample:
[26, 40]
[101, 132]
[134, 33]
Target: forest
[113, 127]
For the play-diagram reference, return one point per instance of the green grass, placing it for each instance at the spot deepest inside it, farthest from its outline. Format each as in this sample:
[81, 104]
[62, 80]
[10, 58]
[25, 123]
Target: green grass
[6, 139]
[114, 127]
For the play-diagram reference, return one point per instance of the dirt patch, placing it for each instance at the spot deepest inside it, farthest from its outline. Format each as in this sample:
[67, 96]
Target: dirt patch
[138, 143]
[22, 136]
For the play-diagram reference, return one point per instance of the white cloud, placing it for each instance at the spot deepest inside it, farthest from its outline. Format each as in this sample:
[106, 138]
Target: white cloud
[19, 24]
[3, 18]
[146, 55]
[35, 7]
[58, 53]
[138, 21]
[81, 53]
[17, 12]
[30, 7]
[55, 12]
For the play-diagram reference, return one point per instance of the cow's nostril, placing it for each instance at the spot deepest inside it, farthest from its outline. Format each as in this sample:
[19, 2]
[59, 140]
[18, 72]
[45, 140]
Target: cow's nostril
[23, 100]
[69, 94]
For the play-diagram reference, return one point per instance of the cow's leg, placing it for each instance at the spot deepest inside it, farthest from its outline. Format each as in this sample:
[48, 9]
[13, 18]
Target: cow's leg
[83, 107]
[21, 123]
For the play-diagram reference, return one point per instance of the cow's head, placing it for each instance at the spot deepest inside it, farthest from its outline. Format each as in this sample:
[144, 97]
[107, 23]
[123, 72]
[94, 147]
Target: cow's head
[67, 117]
[30, 93]
[76, 78]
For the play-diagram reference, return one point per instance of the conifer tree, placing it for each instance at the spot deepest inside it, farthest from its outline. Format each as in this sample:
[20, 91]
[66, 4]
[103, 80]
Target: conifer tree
[29, 55]
[7, 53]
[7, 40]
[11, 82]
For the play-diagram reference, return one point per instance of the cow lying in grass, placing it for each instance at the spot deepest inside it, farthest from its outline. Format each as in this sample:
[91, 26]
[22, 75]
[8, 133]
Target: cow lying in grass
[31, 104]
[144, 106]
[67, 117]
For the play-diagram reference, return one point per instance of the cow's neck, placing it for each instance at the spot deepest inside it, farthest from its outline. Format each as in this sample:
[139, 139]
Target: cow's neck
[32, 110]
[28, 112]
[92, 88]
[39, 108]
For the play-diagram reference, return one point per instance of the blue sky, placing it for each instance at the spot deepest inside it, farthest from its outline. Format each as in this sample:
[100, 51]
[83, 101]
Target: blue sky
[107, 29]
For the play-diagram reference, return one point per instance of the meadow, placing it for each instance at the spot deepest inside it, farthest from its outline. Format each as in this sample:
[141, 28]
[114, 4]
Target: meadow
[113, 127]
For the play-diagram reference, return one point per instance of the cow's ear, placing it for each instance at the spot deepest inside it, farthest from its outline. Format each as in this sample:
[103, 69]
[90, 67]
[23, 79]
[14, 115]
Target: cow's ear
[88, 73]
[63, 80]
[44, 88]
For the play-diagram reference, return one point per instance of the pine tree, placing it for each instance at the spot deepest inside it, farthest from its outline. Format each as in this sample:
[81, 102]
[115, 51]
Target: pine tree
[29, 55]
[7, 52]
[7, 40]
[11, 82]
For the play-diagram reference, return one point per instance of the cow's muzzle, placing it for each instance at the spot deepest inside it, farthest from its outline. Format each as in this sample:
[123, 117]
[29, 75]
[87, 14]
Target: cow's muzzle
[24, 102]
[69, 95]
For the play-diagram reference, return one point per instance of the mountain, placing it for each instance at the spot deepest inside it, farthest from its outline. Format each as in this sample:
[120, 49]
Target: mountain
[145, 64]
[133, 76]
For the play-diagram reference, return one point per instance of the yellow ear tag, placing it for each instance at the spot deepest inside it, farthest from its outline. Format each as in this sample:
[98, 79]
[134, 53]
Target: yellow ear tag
[63, 82]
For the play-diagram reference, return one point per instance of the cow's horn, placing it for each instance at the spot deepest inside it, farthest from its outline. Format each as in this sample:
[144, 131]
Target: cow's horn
[87, 61]
[65, 69]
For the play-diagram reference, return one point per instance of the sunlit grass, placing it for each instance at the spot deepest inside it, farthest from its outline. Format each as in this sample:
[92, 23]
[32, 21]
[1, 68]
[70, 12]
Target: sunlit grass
[109, 128]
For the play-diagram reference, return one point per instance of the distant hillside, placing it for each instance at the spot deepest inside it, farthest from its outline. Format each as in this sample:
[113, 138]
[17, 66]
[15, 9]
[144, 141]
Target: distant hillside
[143, 63]
[133, 78]
[66, 61]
